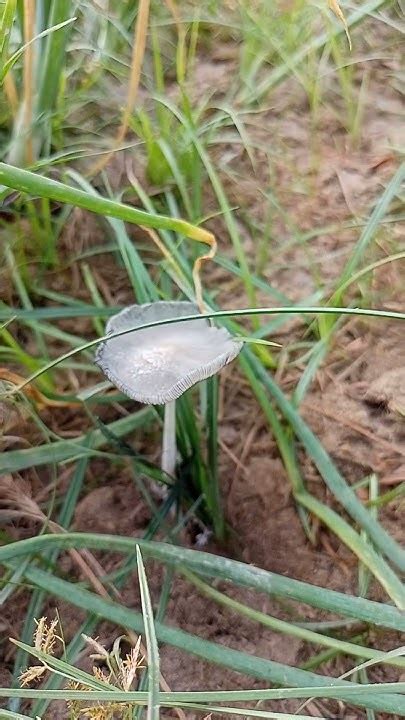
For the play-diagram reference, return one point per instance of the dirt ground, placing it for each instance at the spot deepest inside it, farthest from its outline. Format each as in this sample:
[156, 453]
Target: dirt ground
[356, 405]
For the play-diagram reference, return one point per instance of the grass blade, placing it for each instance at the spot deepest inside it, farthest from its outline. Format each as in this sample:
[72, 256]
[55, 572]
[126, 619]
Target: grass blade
[37, 185]
[185, 697]
[151, 642]
[212, 566]
[57, 313]
[65, 450]
[214, 501]
[13, 58]
[6, 25]
[380, 210]
[53, 56]
[360, 547]
[343, 646]
[13, 715]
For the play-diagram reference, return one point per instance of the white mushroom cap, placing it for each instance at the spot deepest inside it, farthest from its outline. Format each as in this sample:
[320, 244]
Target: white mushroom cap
[158, 364]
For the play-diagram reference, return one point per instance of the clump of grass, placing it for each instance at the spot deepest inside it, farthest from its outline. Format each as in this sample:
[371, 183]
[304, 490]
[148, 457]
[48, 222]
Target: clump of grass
[306, 684]
[114, 671]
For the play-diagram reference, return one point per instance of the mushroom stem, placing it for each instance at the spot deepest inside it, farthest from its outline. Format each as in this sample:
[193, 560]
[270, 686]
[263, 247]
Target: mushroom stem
[169, 450]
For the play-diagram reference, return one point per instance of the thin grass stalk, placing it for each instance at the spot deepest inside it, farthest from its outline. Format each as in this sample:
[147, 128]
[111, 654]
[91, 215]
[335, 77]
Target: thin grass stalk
[18, 53]
[53, 53]
[52, 66]
[14, 715]
[171, 243]
[219, 696]
[342, 646]
[190, 443]
[221, 197]
[151, 642]
[6, 25]
[181, 63]
[297, 310]
[144, 288]
[359, 546]
[138, 52]
[28, 80]
[214, 501]
[24, 296]
[380, 210]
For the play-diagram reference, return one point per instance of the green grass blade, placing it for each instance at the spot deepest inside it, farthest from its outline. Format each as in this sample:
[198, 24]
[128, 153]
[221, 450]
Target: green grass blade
[151, 642]
[65, 450]
[380, 210]
[318, 353]
[360, 547]
[15, 56]
[7, 20]
[220, 194]
[13, 715]
[287, 628]
[52, 59]
[185, 697]
[353, 279]
[247, 713]
[57, 313]
[214, 501]
[11, 583]
[212, 566]
[37, 185]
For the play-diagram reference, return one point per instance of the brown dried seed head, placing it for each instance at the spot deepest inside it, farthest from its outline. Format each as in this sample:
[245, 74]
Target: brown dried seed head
[101, 652]
[129, 666]
[45, 636]
[101, 675]
[32, 674]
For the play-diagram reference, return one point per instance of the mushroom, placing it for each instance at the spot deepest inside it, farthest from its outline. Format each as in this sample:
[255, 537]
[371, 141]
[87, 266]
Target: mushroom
[156, 365]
